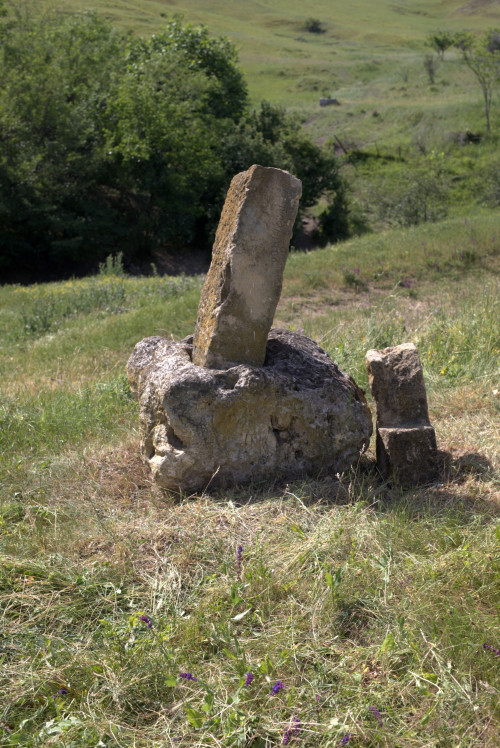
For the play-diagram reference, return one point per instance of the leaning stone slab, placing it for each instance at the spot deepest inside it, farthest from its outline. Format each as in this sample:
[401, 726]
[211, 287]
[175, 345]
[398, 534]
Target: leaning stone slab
[296, 414]
[243, 285]
[405, 440]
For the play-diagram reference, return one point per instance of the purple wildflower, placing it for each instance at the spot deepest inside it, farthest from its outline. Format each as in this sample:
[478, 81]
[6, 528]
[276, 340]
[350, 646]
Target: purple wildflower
[146, 619]
[248, 679]
[278, 686]
[292, 730]
[239, 556]
[345, 739]
[405, 583]
[296, 730]
[492, 649]
[187, 676]
[62, 692]
[376, 713]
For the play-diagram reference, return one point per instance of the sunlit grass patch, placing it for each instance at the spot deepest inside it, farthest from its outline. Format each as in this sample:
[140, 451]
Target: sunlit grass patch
[44, 425]
[44, 308]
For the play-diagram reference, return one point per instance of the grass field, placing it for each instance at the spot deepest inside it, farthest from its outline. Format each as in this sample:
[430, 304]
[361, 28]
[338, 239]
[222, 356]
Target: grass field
[375, 608]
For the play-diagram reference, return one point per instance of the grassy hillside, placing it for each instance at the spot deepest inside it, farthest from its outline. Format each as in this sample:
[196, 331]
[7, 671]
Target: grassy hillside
[376, 608]
[284, 62]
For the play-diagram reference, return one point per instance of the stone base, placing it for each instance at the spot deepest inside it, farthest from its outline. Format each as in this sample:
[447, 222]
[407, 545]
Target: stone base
[296, 414]
[407, 454]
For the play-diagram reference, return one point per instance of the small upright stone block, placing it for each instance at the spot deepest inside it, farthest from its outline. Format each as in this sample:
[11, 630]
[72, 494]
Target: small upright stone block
[244, 282]
[406, 441]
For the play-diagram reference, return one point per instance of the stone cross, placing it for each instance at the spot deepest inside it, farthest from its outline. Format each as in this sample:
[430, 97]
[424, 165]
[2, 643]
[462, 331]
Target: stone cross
[406, 441]
[243, 285]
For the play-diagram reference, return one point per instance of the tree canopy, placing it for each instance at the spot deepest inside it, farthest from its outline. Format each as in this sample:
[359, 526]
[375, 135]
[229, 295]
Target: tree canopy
[115, 144]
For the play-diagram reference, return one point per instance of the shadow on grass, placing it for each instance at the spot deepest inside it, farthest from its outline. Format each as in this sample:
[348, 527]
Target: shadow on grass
[458, 468]
[456, 489]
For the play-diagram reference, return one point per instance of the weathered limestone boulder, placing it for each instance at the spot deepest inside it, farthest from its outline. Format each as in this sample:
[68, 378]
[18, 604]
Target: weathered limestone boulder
[295, 414]
[406, 441]
[243, 285]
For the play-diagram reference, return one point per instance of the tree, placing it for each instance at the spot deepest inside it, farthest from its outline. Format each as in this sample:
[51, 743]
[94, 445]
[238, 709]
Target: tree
[216, 58]
[109, 145]
[162, 146]
[482, 57]
[440, 41]
[57, 72]
[271, 137]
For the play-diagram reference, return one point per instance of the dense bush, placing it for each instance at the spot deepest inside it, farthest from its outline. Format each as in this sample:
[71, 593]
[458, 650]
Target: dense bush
[57, 76]
[111, 144]
[413, 195]
[314, 26]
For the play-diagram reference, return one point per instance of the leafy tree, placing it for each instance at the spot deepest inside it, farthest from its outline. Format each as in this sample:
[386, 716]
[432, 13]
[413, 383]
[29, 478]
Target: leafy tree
[226, 96]
[317, 167]
[111, 145]
[56, 76]
[271, 137]
[161, 140]
[482, 57]
[106, 145]
[440, 41]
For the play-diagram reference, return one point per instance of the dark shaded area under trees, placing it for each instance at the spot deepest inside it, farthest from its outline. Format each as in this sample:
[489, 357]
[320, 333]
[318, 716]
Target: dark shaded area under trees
[110, 144]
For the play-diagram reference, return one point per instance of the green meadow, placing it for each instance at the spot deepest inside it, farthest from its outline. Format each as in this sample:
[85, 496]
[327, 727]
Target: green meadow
[331, 610]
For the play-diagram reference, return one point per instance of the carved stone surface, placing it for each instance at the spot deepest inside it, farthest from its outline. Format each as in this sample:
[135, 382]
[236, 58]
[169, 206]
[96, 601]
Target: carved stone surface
[296, 414]
[406, 441]
[243, 285]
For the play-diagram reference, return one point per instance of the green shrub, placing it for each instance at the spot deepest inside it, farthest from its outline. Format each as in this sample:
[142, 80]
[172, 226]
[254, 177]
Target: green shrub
[417, 194]
[314, 26]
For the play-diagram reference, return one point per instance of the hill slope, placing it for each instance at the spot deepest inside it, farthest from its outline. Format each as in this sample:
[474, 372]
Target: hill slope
[271, 36]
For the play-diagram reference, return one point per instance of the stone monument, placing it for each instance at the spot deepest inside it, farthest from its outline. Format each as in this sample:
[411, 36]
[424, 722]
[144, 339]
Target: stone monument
[243, 284]
[240, 402]
[405, 440]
